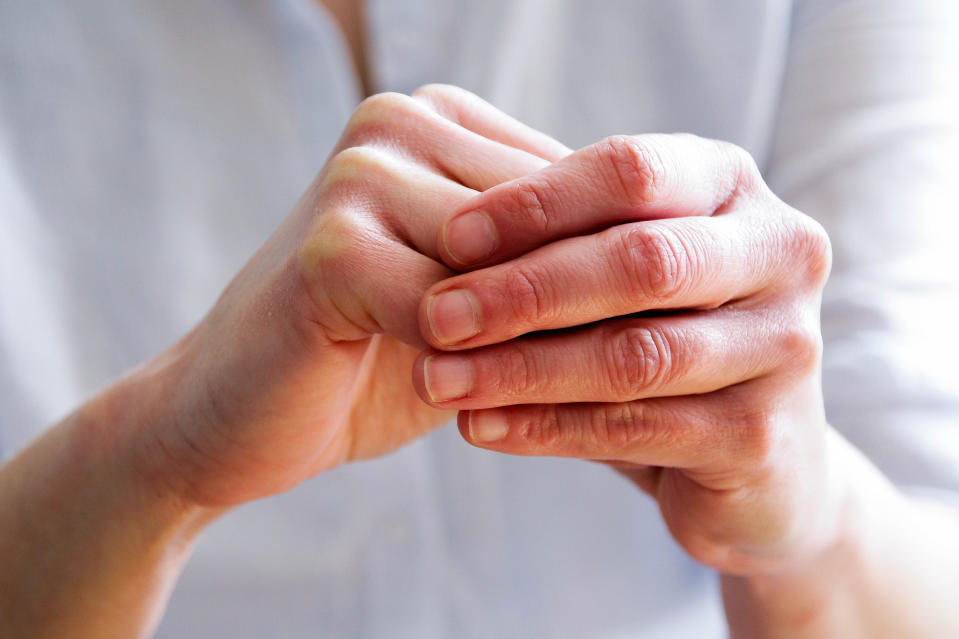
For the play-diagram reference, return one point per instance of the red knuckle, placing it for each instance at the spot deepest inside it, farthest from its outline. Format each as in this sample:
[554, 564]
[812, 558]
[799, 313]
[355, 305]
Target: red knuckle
[636, 168]
[818, 253]
[541, 430]
[805, 242]
[801, 343]
[638, 359]
[655, 261]
[626, 426]
[517, 372]
[756, 432]
[528, 295]
[528, 201]
[751, 430]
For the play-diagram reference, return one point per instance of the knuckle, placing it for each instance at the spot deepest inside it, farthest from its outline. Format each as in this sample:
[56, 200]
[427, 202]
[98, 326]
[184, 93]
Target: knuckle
[442, 93]
[807, 241]
[757, 434]
[742, 163]
[378, 113]
[638, 358]
[331, 260]
[528, 295]
[431, 88]
[819, 253]
[752, 419]
[517, 373]
[330, 243]
[541, 429]
[801, 342]
[356, 163]
[655, 260]
[384, 105]
[625, 426]
[636, 168]
[529, 201]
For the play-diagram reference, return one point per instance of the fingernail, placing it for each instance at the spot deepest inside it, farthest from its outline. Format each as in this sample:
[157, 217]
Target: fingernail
[448, 377]
[488, 425]
[471, 237]
[453, 316]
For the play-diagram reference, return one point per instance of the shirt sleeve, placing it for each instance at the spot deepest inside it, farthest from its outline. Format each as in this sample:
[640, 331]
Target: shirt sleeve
[866, 143]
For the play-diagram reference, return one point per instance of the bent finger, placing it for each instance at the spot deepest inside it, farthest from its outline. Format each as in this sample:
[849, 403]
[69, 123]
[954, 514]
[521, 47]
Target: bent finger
[620, 179]
[615, 361]
[694, 432]
[409, 201]
[684, 263]
[399, 123]
[473, 113]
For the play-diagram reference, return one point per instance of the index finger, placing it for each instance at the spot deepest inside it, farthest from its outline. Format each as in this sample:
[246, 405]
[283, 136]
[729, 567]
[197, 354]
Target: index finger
[479, 116]
[619, 179]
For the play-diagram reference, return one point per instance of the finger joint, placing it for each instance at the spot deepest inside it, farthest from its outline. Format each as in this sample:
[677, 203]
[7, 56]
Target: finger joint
[637, 169]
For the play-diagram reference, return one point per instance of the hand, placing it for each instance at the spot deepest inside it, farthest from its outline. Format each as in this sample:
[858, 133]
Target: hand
[704, 386]
[304, 362]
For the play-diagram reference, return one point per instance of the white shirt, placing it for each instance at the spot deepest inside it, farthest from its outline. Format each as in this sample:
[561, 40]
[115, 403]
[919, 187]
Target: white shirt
[148, 147]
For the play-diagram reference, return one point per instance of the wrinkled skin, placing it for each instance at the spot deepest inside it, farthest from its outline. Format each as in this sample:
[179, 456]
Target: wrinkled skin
[690, 359]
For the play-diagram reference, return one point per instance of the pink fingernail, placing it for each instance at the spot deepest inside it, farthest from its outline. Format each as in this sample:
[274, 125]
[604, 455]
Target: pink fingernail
[488, 426]
[471, 237]
[448, 377]
[453, 316]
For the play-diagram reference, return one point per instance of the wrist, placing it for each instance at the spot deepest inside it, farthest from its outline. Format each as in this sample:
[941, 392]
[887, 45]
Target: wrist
[82, 526]
[117, 437]
[815, 595]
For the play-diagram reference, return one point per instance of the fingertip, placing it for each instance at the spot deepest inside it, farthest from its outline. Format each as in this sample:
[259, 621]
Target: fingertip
[419, 375]
[484, 427]
[463, 424]
[469, 239]
[452, 316]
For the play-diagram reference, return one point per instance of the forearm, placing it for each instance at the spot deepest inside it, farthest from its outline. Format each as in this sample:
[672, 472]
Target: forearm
[893, 572]
[88, 547]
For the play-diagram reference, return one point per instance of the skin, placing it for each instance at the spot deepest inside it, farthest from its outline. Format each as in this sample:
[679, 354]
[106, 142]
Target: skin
[687, 295]
[689, 360]
[303, 364]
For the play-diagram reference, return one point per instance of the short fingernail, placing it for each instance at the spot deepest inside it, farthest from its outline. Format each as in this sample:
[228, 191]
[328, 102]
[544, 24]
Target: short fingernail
[488, 426]
[471, 237]
[453, 316]
[448, 377]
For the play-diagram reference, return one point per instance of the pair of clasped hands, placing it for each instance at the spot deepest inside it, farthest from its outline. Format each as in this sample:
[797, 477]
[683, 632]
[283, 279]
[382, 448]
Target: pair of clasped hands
[644, 302]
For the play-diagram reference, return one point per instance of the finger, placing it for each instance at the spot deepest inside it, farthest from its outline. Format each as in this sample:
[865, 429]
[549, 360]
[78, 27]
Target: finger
[616, 361]
[694, 432]
[398, 123]
[408, 200]
[473, 113]
[392, 309]
[620, 179]
[372, 282]
[366, 257]
[687, 263]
